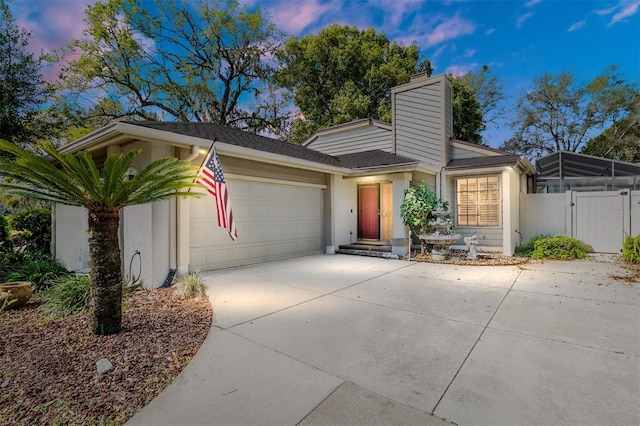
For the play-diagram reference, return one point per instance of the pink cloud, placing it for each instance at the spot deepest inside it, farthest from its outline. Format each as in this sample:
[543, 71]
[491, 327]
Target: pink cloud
[295, 16]
[52, 24]
[395, 11]
[523, 18]
[449, 29]
[576, 26]
[628, 9]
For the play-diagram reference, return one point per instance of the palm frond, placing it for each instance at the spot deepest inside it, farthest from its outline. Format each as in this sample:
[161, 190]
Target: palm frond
[76, 180]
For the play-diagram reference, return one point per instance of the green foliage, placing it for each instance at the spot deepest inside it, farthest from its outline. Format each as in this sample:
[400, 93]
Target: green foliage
[562, 114]
[560, 247]
[488, 90]
[342, 73]
[631, 248]
[76, 180]
[526, 250]
[620, 140]
[417, 206]
[6, 244]
[68, 295]
[187, 61]
[190, 286]
[39, 270]
[467, 114]
[35, 227]
[21, 82]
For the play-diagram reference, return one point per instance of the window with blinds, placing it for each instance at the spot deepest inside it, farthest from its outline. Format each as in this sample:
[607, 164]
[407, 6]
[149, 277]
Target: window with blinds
[478, 201]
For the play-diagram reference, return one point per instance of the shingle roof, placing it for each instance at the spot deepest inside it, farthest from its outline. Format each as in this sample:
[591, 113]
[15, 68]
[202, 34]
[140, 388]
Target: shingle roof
[241, 138]
[374, 158]
[210, 131]
[490, 161]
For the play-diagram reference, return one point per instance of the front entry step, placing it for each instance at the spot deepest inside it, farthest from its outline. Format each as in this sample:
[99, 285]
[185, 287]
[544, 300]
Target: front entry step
[367, 250]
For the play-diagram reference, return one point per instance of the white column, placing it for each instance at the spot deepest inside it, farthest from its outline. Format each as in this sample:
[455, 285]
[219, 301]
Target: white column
[183, 236]
[400, 243]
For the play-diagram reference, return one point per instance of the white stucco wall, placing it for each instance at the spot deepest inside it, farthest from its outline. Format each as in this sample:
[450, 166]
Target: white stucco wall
[345, 211]
[71, 239]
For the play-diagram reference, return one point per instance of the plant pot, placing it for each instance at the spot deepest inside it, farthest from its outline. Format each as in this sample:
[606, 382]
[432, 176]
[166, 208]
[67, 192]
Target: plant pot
[15, 294]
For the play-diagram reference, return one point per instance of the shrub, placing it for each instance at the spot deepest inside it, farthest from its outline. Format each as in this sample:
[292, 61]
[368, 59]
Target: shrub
[39, 269]
[560, 247]
[190, 286]
[5, 236]
[68, 295]
[35, 230]
[631, 248]
[417, 206]
[526, 250]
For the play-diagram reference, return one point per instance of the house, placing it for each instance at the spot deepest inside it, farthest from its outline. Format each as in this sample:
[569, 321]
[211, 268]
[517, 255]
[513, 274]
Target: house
[343, 185]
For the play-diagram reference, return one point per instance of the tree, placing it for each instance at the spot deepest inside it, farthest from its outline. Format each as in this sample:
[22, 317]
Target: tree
[467, 114]
[342, 74]
[76, 180]
[619, 142]
[21, 83]
[561, 114]
[488, 91]
[169, 61]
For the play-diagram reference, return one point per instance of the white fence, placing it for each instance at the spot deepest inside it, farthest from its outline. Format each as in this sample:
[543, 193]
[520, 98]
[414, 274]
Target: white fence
[600, 219]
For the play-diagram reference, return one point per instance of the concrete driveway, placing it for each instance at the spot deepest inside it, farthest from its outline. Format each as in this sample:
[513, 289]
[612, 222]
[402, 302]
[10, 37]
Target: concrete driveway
[337, 339]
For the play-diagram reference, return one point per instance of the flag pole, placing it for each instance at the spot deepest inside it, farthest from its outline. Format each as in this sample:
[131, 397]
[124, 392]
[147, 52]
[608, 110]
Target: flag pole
[206, 157]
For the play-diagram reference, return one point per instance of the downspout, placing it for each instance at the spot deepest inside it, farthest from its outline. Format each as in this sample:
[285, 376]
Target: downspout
[176, 234]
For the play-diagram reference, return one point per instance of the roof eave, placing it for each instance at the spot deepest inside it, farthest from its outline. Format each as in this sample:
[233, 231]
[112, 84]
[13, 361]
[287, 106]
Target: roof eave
[119, 132]
[279, 159]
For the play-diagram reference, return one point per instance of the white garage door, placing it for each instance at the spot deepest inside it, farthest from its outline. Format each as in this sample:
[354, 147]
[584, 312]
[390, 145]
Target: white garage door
[274, 221]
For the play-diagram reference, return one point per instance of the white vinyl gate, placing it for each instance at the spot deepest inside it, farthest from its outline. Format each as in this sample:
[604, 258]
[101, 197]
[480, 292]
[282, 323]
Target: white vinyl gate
[601, 219]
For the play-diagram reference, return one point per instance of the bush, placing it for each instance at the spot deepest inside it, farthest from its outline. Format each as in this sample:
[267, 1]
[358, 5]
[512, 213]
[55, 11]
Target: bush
[417, 206]
[526, 250]
[68, 295]
[35, 230]
[5, 236]
[190, 286]
[631, 248]
[39, 269]
[560, 247]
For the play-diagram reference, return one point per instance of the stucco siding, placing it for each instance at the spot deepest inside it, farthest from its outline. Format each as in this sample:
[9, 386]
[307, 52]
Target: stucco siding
[358, 140]
[71, 241]
[239, 166]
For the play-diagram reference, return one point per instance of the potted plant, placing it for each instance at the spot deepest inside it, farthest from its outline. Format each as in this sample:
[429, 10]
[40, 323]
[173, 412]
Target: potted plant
[14, 295]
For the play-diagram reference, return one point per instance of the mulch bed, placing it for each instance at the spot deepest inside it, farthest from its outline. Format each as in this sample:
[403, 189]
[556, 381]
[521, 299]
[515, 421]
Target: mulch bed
[48, 367]
[458, 257]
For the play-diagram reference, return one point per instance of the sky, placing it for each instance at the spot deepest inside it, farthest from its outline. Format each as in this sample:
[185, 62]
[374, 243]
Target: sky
[518, 40]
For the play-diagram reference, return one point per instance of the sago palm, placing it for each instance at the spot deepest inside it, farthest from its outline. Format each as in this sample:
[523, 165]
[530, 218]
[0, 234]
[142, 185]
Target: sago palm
[76, 180]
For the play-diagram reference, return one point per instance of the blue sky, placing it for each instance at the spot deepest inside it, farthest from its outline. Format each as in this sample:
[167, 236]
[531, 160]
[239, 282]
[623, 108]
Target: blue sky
[518, 40]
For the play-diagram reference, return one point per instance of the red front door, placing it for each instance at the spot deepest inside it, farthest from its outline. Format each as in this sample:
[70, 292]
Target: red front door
[369, 212]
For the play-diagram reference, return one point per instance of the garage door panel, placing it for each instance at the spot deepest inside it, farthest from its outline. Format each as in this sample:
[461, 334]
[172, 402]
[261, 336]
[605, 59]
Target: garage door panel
[274, 222]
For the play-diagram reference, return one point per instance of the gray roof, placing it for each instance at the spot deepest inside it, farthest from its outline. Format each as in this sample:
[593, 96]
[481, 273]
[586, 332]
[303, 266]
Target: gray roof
[480, 162]
[374, 158]
[214, 132]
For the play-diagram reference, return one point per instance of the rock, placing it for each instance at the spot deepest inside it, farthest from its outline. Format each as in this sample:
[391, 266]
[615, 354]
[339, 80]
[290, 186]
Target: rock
[4, 384]
[104, 366]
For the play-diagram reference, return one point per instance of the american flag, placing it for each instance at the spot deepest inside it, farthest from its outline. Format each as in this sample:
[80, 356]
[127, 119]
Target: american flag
[211, 177]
